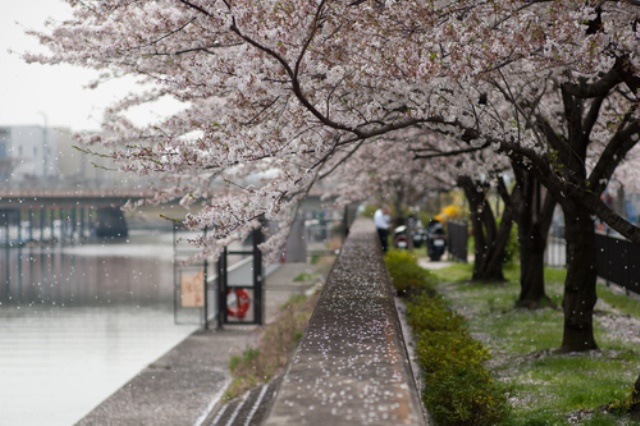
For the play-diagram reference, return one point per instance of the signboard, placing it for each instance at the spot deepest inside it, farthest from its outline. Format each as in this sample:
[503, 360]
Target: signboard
[192, 289]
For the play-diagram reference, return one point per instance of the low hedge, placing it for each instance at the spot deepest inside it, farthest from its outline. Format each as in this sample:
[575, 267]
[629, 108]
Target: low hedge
[407, 276]
[458, 389]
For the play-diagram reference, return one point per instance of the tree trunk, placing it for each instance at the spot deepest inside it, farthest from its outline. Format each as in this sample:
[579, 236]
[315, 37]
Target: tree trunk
[489, 243]
[532, 291]
[493, 266]
[534, 220]
[634, 409]
[580, 285]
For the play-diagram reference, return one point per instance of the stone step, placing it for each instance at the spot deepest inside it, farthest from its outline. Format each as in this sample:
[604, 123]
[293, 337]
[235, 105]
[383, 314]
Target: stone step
[249, 409]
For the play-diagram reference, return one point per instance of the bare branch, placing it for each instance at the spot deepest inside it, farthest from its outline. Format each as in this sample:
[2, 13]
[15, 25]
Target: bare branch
[625, 138]
[450, 153]
[196, 7]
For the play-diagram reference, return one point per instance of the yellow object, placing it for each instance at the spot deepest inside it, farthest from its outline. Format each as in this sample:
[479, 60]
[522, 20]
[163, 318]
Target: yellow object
[448, 212]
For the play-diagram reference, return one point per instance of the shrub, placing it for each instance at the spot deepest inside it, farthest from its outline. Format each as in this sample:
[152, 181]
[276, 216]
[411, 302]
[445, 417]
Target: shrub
[466, 395]
[436, 350]
[458, 389]
[406, 275]
[425, 313]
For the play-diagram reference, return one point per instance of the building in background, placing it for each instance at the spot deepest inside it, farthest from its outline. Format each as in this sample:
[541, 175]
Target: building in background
[27, 152]
[48, 156]
[78, 167]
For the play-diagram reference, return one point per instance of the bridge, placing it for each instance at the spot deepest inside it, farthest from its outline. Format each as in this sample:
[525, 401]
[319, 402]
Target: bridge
[47, 210]
[39, 210]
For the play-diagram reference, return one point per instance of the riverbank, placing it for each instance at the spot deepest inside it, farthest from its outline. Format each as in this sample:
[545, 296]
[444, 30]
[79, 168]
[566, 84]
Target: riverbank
[77, 324]
[184, 385]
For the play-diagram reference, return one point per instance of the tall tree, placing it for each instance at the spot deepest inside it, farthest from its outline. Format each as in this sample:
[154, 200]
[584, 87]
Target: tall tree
[285, 87]
[489, 239]
[534, 212]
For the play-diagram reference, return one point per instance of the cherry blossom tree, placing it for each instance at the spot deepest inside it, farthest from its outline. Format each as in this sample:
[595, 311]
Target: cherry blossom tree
[426, 161]
[481, 167]
[287, 89]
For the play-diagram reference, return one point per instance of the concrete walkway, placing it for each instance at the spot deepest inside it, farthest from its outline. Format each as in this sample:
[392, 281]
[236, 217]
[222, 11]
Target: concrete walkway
[351, 365]
[184, 386]
[430, 264]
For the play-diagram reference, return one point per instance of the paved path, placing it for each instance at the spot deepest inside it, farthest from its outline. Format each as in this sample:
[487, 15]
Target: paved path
[251, 408]
[430, 264]
[184, 386]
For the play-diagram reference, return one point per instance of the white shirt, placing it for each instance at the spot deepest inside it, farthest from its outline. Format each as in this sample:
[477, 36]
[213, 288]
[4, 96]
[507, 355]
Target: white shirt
[381, 220]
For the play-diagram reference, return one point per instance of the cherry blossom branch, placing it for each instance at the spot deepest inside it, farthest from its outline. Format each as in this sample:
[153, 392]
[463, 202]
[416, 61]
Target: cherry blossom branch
[196, 7]
[259, 113]
[169, 34]
[592, 115]
[625, 138]
[298, 92]
[600, 88]
[342, 160]
[562, 188]
[309, 39]
[553, 139]
[448, 153]
[593, 202]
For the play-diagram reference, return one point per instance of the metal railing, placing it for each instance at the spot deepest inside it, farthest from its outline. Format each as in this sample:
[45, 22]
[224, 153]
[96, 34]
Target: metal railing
[616, 259]
[555, 254]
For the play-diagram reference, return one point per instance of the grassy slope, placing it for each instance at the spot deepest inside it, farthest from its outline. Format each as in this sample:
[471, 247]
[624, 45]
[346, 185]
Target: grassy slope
[547, 388]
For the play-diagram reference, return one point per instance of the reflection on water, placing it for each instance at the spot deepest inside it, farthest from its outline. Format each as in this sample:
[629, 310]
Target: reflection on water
[46, 276]
[127, 272]
[77, 323]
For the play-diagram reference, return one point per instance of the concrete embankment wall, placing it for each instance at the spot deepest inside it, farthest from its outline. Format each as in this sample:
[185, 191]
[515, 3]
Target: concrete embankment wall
[351, 366]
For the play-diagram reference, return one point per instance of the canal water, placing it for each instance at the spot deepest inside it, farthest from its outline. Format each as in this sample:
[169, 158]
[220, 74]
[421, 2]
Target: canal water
[76, 323]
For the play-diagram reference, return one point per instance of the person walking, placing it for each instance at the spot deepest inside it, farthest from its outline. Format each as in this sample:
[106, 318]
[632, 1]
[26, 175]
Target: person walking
[382, 221]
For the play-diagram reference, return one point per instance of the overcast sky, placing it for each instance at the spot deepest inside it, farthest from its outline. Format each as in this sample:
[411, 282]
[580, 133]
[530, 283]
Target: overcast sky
[31, 92]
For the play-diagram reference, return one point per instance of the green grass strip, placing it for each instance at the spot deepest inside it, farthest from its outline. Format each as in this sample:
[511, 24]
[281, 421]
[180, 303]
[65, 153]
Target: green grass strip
[548, 388]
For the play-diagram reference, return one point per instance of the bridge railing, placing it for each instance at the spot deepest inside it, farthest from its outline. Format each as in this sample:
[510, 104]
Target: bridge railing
[351, 366]
[73, 185]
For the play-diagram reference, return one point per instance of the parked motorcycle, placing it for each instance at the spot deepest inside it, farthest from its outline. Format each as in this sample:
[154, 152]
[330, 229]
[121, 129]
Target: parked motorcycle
[400, 238]
[419, 237]
[417, 231]
[436, 240]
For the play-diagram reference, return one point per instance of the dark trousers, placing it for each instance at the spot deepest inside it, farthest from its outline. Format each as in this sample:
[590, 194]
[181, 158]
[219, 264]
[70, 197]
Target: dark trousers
[384, 237]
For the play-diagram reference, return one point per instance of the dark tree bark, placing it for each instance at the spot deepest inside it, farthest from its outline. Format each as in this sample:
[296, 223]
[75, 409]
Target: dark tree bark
[580, 285]
[534, 220]
[490, 241]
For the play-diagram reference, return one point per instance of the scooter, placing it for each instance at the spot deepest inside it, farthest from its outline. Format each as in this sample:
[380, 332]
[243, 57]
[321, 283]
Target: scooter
[400, 238]
[419, 237]
[436, 240]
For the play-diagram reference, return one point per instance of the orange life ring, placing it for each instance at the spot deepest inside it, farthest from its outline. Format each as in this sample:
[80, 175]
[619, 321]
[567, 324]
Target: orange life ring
[238, 302]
